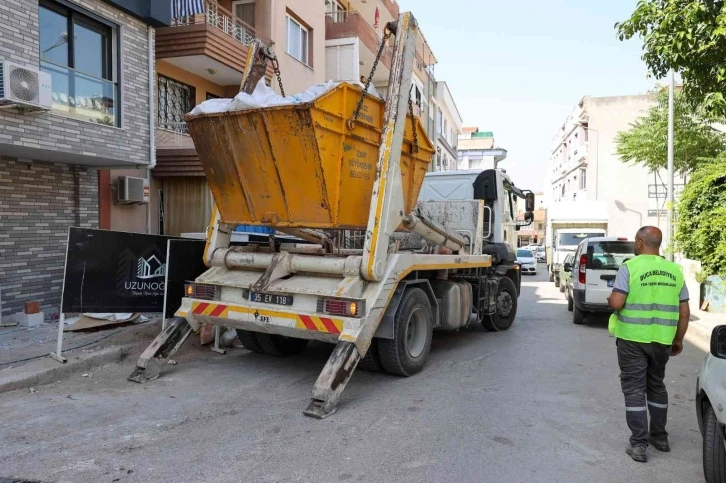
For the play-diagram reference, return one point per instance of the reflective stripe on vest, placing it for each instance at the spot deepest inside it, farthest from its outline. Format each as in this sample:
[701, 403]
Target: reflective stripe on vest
[651, 309]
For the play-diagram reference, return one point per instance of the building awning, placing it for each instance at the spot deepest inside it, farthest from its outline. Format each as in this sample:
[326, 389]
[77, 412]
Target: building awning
[186, 8]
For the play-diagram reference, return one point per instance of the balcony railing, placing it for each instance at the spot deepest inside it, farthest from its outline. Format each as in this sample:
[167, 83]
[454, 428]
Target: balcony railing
[222, 19]
[172, 135]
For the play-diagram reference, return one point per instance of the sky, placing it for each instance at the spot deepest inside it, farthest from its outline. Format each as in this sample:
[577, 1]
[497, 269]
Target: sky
[519, 67]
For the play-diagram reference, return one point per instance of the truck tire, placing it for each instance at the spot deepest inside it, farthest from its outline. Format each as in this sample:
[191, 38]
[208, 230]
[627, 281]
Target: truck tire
[279, 345]
[372, 360]
[249, 341]
[406, 353]
[506, 311]
[578, 316]
[714, 455]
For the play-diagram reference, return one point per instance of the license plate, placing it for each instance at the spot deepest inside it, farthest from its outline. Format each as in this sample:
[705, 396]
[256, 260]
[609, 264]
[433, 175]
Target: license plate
[271, 298]
[611, 283]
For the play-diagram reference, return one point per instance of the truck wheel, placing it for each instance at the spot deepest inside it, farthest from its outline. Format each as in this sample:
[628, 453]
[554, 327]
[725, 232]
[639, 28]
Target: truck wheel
[279, 345]
[557, 281]
[551, 278]
[249, 341]
[578, 316]
[714, 455]
[506, 311]
[406, 353]
[372, 360]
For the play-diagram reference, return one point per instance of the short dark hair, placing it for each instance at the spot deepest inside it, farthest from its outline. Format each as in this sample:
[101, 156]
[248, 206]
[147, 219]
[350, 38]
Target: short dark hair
[651, 236]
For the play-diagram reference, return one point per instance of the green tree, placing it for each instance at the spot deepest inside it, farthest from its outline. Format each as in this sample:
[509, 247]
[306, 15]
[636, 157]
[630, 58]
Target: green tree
[701, 227]
[688, 36]
[646, 141]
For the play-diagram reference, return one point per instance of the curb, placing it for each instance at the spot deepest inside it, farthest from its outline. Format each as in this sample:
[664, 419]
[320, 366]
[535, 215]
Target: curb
[45, 371]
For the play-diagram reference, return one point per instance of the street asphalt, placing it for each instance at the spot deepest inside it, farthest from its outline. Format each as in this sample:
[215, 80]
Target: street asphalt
[538, 403]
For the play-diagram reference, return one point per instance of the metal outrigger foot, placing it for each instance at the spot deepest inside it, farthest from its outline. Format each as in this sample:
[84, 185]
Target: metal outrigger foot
[332, 380]
[163, 346]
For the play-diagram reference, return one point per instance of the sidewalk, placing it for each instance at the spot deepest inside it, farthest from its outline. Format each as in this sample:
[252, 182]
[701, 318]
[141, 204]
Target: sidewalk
[24, 360]
[701, 326]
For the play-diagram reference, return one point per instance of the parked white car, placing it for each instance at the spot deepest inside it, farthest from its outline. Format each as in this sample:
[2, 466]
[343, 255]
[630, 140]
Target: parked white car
[540, 254]
[526, 261]
[710, 403]
[595, 265]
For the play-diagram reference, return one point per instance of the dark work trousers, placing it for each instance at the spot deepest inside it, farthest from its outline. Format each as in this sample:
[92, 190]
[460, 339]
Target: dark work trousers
[642, 369]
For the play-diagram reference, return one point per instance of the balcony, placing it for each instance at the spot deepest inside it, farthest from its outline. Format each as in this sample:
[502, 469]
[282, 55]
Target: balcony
[212, 45]
[350, 25]
[175, 151]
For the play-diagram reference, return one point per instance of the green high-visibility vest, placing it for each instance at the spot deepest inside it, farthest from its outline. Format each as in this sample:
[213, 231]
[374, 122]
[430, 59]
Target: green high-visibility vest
[651, 309]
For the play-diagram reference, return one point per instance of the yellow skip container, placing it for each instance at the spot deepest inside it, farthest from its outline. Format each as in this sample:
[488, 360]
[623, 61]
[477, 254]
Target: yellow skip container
[299, 165]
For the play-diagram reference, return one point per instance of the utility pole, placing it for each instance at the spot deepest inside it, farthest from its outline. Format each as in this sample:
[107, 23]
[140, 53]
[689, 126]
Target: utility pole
[670, 202]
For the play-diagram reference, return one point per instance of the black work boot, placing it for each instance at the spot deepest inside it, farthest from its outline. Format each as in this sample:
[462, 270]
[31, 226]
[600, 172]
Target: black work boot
[637, 453]
[660, 443]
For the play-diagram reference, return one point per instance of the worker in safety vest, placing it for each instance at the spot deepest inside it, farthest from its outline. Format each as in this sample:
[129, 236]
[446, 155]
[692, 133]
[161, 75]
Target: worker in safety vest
[650, 300]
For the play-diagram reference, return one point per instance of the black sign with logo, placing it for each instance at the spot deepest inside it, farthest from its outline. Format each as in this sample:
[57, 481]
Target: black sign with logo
[185, 262]
[111, 271]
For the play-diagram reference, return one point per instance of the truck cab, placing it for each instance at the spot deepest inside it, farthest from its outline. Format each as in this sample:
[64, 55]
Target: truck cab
[565, 242]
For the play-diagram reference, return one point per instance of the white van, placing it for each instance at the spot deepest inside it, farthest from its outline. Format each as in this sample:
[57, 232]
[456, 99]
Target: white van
[596, 263]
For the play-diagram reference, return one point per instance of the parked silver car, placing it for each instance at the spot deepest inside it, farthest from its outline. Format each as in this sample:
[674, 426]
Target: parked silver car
[710, 403]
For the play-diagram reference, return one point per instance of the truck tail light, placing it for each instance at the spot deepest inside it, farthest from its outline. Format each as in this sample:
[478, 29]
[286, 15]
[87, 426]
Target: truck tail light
[345, 308]
[202, 292]
[583, 268]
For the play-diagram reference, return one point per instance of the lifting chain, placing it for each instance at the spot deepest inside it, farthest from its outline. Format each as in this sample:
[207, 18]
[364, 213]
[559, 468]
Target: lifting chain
[276, 67]
[414, 146]
[386, 35]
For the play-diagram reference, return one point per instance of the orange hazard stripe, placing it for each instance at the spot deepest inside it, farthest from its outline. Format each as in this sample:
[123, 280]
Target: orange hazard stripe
[210, 310]
[319, 324]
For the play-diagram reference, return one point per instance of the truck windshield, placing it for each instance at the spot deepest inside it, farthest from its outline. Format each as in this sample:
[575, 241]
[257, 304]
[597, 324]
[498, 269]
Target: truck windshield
[574, 239]
[609, 255]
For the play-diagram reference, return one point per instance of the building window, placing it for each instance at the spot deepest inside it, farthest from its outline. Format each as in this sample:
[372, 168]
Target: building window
[335, 11]
[174, 100]
[583, 179]
[297, 40]
[79, 53]
[439, 120]
[244, 10]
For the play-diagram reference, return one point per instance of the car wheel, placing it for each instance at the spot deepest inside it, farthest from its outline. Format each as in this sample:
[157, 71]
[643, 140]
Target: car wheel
[578, 316]
[570, 302]
[714, 454]
[562, 287]
[557, 281]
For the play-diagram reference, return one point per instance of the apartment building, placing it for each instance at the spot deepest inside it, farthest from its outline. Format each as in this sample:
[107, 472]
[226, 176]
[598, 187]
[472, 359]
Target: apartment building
[478, 150]
[533, 234]
[353, 32]
[202, 56]
[448, 129]
[583, 165]
[61, 135]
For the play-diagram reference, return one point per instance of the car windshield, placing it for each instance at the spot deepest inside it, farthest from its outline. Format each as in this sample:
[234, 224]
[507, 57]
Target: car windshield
[540, 249]
[609, 255]
[524, 253]
[574, 239]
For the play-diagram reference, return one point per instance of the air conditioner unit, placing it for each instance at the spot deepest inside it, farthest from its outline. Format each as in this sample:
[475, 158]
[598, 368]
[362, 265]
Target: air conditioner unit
[24, 88]
[132, 191]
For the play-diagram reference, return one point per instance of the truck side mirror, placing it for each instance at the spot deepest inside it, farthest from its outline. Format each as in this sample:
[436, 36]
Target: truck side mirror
[718, 342]
[567, 267]
[529, 202]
